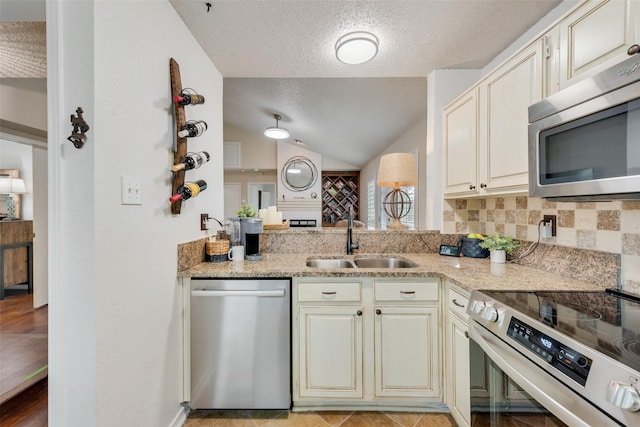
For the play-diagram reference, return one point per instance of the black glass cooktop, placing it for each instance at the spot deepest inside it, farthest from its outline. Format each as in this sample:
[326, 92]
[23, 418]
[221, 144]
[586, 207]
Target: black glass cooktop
[605, 321]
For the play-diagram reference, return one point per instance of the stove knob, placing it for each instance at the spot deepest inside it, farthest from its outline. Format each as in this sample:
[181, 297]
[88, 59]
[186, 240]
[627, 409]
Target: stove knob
[477, 306]
[623, 396]
[490, 314]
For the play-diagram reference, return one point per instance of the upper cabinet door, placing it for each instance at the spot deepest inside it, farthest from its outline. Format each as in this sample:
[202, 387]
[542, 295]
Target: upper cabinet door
[506, 94]
[461, 145]
[596, 36]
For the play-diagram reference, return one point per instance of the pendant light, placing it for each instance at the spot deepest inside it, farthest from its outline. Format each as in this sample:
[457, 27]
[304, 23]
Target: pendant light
[276, 132]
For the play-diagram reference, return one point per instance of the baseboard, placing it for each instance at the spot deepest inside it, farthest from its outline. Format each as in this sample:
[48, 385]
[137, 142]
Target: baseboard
[180, 418]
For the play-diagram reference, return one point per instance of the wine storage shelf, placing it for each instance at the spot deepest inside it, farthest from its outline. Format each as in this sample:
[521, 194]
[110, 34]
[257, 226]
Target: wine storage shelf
[339, 191]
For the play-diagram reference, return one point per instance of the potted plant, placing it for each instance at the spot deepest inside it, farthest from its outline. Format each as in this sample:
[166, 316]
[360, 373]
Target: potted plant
[246, 211]
[499, 246]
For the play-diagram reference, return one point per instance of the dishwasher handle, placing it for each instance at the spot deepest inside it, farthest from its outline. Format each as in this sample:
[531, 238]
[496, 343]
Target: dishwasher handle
[252, 293]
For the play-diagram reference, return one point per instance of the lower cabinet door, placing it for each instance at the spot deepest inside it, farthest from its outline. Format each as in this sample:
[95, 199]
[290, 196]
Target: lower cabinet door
[457, 372]
[406, 351]
[330, 352]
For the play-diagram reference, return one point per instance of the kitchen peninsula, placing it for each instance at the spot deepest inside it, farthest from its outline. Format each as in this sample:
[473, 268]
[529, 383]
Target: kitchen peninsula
[390, 330]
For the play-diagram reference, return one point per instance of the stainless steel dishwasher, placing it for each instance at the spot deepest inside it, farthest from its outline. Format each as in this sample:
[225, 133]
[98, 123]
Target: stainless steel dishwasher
[240, 344]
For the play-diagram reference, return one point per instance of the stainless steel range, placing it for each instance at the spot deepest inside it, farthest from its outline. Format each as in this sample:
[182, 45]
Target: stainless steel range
[573, 357]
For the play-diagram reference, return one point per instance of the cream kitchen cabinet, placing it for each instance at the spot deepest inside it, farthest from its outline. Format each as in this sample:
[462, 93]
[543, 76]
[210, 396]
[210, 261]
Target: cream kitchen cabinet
[366, 342]
[505, 96]
[596, 36]
[406, 337]
[486, 142]
[457, 372]
[461, 139]
[329, 339]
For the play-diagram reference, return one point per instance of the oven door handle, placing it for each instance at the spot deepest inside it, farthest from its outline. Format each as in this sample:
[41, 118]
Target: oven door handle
[563, 404]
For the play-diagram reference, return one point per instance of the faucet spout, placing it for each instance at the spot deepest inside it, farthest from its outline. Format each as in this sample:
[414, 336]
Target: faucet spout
[350, 245]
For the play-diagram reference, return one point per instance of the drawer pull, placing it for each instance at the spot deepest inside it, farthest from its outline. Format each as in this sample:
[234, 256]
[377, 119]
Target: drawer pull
[328, 293]
[408, 292]
[457, 303]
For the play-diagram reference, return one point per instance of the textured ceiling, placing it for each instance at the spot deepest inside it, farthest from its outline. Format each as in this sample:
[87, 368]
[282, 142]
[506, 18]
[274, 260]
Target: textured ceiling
[278, 57]
[23, 50]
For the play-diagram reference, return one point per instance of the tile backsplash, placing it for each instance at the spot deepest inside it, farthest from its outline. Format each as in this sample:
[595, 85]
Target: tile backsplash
[612, 227]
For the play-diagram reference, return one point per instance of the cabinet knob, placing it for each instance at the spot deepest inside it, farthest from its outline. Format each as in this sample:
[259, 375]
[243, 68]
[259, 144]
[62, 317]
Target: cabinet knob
[483, 185]
[472, 187]
[633, 49]
[359, 312]
[378, 311]
[466, 334]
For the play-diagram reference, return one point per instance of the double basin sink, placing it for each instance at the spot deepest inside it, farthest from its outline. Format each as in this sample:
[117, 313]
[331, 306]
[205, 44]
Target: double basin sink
[364, 262]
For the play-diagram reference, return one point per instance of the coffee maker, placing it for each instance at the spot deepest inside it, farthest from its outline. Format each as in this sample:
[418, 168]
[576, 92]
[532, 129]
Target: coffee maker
[250, 230]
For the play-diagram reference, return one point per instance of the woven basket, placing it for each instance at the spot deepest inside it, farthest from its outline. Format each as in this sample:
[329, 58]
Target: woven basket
[471, 248]
[216, 251]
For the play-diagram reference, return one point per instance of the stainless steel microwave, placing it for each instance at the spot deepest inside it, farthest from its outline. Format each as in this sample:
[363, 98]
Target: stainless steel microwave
[584, 141]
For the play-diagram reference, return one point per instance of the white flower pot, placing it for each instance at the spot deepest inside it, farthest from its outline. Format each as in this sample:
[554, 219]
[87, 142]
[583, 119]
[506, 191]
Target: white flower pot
[499, 256]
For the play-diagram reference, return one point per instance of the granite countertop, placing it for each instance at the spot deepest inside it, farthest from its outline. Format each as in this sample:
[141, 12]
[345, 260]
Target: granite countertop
[467, 273]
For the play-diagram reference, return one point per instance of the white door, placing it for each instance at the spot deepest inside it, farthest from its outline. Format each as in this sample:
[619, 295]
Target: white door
[232, 198]
[40, 228]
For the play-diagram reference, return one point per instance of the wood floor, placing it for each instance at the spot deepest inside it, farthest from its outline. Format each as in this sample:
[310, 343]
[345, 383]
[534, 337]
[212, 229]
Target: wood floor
[23, 362]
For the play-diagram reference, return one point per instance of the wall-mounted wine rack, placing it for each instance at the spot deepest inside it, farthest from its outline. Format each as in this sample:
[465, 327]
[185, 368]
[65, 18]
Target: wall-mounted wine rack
[180, 152]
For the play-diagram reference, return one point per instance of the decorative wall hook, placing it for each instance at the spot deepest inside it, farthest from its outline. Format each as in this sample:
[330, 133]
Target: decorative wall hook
[80, 127]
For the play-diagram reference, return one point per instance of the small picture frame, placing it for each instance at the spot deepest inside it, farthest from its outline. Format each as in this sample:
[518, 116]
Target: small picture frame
[449, 250]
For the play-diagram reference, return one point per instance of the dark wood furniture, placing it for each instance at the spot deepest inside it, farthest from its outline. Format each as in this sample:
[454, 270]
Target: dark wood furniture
[16, 254]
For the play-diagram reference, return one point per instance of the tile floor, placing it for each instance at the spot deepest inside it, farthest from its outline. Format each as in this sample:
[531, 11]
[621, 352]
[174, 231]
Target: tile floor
[212, 418]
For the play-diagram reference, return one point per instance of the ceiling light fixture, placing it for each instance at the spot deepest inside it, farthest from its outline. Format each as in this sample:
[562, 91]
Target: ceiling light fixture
[357, 47]
[276, 132]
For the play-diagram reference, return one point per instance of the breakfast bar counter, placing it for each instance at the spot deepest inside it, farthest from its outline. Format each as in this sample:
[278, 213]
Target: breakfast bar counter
[467, 273]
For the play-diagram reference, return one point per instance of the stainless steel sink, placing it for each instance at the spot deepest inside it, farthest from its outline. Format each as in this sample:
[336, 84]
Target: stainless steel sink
[383, 262]
[330, 263]
[365, 262]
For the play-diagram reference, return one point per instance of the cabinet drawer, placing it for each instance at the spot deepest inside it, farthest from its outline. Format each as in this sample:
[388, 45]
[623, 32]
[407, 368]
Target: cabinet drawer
[329, 291]
[406, 291]
[458, 303]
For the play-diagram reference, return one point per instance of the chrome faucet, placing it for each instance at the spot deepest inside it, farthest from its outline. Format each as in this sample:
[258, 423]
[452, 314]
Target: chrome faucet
[350, 245]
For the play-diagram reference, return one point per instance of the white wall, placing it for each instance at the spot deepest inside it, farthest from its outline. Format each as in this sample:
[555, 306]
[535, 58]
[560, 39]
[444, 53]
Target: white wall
[118, 304]
[256, 151]
[19, 156]
[31, 110]
[411, 141]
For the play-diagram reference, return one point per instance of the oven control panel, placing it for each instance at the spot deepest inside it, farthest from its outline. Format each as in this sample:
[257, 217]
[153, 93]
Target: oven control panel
[566, 360]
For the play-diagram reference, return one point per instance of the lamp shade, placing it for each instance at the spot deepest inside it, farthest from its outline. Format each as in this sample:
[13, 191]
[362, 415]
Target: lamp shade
[397, 170]
[12, 186]
[18, 187]
[5, 185]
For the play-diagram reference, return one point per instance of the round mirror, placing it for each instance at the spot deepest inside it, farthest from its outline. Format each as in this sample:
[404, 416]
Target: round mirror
[299, 174]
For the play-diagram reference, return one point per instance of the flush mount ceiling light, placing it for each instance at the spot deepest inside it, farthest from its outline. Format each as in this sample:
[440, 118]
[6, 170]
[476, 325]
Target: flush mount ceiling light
[357, 47]
[276, 132]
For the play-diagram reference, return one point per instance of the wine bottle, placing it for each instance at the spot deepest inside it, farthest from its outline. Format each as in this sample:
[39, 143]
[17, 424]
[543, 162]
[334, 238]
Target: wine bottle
[189, 190]
[192, 161]
[184, 98]
[191, 129]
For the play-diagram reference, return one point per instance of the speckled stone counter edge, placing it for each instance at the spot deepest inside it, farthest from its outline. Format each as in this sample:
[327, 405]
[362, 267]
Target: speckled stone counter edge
[593, 268]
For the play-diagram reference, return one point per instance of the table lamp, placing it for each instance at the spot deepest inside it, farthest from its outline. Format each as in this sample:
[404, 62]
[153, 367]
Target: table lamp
[397, 170]
[11, 186]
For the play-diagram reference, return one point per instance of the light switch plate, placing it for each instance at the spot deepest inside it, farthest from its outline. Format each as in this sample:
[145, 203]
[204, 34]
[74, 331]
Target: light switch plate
[131, 190]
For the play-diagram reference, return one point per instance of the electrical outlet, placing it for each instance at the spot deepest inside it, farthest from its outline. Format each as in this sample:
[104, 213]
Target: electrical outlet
[130, 190]
[203, 221]
[553, 220]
